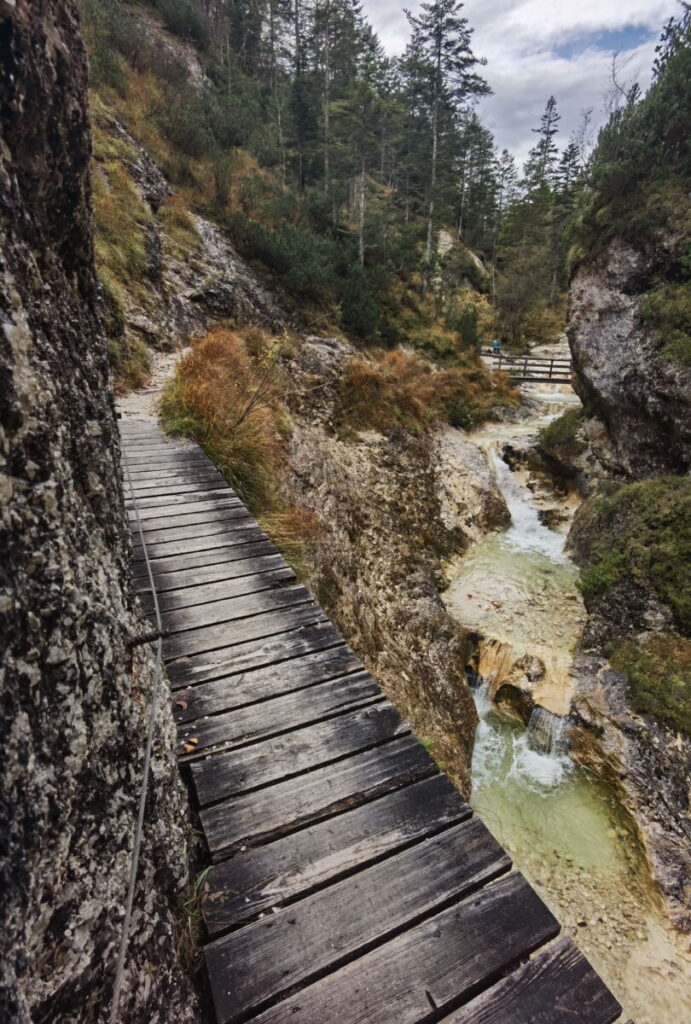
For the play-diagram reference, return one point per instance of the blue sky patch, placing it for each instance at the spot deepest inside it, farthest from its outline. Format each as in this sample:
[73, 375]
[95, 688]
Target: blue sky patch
[616, 41]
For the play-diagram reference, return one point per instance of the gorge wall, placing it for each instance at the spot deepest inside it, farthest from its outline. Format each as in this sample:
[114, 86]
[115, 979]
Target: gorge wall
[75, 692]
[630, 539]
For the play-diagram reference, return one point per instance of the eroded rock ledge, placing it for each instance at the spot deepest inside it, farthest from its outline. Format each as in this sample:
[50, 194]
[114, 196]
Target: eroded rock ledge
[376, 566]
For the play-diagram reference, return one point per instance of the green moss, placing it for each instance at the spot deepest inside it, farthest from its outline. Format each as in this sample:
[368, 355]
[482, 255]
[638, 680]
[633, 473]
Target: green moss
[640, 532]
[659, 673]
[559, 438]
[668, 310]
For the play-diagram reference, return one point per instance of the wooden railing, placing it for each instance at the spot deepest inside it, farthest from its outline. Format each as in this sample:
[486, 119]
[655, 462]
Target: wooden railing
[556, 370]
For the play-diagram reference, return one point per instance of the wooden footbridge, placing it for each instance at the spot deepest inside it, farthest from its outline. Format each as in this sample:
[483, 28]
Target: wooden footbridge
[349, 880]
[531, 369]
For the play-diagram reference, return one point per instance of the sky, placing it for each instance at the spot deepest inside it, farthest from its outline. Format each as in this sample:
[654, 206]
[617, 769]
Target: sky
[538, 48]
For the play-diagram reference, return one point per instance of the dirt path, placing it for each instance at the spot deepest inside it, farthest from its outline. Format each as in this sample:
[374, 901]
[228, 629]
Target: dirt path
[143, 403]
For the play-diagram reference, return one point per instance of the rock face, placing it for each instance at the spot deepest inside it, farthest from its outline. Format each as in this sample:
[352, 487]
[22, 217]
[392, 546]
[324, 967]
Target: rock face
[376, 567]
[194, 276]
[75, 692]
[647, 764]
[621, 374]
[471, 501]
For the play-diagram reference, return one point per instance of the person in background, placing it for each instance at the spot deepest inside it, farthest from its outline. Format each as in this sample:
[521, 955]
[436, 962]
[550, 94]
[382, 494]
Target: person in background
[496, 347]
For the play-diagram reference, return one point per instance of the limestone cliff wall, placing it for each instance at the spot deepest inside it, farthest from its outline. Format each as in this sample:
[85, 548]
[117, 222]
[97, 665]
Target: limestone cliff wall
[389, 518]
[75, 693]
[621, 372]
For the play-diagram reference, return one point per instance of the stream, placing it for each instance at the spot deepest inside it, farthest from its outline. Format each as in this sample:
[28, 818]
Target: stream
[564, 828]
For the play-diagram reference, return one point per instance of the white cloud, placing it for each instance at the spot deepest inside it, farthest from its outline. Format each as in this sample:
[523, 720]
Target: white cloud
[525, 42]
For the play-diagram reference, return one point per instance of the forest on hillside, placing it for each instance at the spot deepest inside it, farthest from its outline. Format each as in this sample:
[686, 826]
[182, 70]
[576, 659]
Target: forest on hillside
[337, 166]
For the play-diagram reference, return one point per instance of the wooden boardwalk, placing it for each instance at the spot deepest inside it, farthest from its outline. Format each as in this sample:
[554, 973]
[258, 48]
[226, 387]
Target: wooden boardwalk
[350, 882]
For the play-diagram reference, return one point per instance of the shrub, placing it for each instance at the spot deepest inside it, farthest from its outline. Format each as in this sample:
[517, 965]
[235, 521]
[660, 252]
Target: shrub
[183, 19]
[559, 438]
[401, 389]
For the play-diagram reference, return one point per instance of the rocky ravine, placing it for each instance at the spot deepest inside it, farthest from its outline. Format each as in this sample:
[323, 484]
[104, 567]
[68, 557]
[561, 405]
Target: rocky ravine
[386, 524]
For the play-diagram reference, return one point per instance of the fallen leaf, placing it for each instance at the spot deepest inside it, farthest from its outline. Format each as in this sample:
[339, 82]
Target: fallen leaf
[181, 704]
[188, 748]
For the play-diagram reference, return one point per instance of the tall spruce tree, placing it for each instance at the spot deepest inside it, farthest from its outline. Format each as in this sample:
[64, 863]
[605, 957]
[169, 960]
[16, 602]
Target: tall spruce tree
[443, 37]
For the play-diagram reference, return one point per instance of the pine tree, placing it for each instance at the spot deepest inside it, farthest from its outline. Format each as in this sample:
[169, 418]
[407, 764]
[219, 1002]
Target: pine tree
[443, 38]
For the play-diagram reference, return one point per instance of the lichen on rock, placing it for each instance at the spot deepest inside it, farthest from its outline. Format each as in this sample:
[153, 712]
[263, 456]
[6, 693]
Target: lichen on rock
[75, 691]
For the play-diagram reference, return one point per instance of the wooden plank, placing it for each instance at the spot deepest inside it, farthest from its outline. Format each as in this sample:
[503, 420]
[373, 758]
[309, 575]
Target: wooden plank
[230, 537]
[234, 608]
[247, 544]
[292, 711]
[255, 654]
[266, 958]
[257, 627]
[208, 484]
[300, 750]
[152, 448]
[175, 504]
[242, 561]
[161, 532]
[429, 968]
[143, 482]
[247, 821]
[240, 888]
[176, 456]
[187, 597]
[155, 475]
[190, 510]
[558, 986]
[234, 691]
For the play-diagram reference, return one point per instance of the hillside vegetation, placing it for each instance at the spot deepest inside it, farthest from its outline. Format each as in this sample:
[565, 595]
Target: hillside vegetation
[638, 189]
[364, 187]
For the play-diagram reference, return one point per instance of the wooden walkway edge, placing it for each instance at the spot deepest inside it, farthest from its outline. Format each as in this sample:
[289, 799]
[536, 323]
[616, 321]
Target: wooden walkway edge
[349, 883]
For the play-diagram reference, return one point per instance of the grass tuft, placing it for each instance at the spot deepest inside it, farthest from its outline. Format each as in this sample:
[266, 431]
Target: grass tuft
[227, 395]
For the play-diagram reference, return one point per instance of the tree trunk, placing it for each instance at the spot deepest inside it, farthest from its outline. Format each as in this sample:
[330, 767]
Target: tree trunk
[429, 247]
[362, 204]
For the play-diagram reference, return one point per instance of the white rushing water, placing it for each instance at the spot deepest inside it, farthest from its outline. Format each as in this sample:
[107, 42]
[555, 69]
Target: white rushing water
[526, 532]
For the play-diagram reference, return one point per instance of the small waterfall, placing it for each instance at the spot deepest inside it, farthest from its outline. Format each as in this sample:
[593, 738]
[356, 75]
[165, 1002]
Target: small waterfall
[547, 732]
[526, 532]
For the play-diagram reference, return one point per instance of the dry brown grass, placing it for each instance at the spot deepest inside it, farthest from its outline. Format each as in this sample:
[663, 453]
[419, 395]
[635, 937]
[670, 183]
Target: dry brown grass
[404, 389]
[227, 395]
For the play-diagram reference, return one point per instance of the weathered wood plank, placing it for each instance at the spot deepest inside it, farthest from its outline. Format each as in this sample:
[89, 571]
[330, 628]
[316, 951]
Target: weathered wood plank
[176, 503]
[233, 608]
[230, 537]
[153, 476]
[223, 521]
[234, 691]
[208, 638]
[240, 888]
[189, 511]
[209, 484]
[295, 711]
[558, 986]
[428, 968]
[200, 566]
[255, 654]
[247, 821]
[143, 482]
[323, 931]
[218, 590]
[176, 456]
[300, 750]
[150, 448]
[162, 532]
